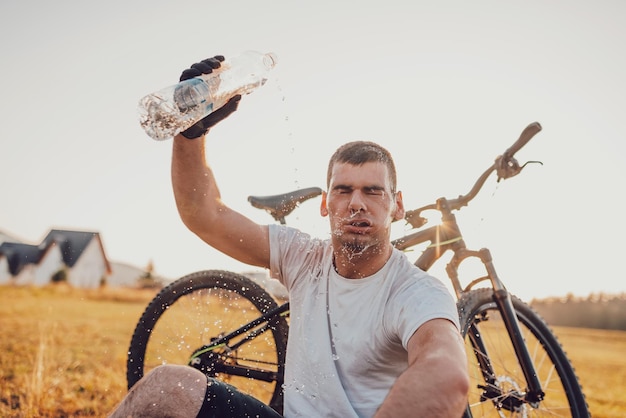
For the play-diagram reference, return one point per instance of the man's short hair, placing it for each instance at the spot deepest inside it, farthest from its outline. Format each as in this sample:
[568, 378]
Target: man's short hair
[361, 152]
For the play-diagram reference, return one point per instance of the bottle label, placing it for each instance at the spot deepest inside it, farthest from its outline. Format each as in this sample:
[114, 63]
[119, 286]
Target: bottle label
[190, 94]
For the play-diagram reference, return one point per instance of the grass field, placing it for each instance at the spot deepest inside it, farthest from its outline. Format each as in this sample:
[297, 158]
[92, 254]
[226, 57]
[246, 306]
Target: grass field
[63, 353]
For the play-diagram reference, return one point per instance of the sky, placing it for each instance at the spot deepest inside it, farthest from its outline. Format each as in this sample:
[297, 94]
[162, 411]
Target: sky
[445, 86]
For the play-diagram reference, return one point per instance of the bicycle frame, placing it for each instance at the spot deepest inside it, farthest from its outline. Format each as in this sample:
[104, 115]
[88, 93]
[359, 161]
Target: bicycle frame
[447, 236]
[206, 358]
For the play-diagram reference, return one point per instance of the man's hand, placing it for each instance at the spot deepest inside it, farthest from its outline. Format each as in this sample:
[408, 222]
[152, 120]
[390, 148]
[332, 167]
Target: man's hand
[201, 127]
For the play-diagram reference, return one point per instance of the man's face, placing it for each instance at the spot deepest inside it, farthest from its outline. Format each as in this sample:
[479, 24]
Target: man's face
[361, 206]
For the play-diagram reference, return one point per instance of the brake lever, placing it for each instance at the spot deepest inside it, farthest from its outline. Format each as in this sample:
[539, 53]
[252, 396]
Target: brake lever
[530, 162]
[507, 167]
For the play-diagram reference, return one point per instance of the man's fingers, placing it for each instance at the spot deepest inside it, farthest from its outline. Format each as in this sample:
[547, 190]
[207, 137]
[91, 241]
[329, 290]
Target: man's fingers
[190, 73]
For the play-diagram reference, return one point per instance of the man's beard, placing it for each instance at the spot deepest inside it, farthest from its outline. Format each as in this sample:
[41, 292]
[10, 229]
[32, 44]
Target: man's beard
[355, 246]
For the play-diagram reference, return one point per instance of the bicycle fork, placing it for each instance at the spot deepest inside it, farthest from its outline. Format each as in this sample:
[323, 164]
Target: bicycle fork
[503, 301]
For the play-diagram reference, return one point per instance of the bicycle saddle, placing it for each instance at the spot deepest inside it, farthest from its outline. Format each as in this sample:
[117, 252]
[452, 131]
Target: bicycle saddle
[281, 205]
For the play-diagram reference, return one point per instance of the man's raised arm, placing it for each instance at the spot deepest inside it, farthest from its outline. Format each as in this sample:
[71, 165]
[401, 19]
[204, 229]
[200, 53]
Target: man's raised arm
[198, 197]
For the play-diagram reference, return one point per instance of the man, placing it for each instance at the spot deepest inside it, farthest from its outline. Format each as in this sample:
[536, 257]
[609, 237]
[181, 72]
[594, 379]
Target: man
[371, 335]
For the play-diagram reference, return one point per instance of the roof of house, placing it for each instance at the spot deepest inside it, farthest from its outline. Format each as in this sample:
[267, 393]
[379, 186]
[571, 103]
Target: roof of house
[18, 255]
[71, 243]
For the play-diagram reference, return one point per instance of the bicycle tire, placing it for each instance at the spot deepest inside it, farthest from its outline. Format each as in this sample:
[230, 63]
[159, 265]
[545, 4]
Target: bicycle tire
[564, 397]
[190, 312]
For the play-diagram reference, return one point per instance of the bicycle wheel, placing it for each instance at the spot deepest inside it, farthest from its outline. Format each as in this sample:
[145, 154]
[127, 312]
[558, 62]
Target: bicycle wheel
[187, 321]
[500, 391]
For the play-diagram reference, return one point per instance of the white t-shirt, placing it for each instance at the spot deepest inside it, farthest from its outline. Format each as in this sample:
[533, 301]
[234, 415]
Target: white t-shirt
[348, 338]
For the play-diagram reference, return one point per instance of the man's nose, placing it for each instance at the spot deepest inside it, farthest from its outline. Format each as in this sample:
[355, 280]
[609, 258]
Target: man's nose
[357, 203]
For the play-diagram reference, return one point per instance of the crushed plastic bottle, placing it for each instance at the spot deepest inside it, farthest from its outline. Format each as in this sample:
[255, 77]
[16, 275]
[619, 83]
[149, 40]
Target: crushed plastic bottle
[173, 109]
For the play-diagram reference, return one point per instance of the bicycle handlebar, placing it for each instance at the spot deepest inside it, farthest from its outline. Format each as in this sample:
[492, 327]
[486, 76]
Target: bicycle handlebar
[505, 165]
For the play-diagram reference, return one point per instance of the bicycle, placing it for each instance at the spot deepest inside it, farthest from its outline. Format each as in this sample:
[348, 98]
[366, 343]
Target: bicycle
[229, 327]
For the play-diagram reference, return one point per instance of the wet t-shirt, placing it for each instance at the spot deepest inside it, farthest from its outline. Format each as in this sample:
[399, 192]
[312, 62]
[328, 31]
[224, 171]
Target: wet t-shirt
[348, 338]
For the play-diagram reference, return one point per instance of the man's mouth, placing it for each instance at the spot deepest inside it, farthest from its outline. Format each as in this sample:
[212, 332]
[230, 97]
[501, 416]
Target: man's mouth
[357, 225]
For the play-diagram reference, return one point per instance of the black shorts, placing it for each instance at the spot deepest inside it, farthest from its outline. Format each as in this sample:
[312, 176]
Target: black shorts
[223, 400]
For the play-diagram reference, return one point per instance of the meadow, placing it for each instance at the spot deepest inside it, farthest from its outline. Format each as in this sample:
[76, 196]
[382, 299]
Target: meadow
[63, 353]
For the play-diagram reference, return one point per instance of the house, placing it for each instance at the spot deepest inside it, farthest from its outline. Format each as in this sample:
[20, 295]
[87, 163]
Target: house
[77, 257]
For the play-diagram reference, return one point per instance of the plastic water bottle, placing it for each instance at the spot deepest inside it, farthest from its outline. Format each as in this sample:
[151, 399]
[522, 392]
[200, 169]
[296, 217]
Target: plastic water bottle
[171, 110]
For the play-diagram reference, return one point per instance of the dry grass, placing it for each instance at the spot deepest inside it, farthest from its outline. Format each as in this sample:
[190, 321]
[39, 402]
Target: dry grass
[599, 358]
[63, 353]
